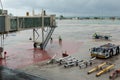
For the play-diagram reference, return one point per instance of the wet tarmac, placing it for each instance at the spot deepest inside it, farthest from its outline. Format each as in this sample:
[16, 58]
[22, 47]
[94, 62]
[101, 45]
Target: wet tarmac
[9, 74]
[81, 37]
[77, 40]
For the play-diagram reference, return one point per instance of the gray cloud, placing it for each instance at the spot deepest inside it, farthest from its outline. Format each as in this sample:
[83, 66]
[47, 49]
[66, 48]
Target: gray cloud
[67, 7]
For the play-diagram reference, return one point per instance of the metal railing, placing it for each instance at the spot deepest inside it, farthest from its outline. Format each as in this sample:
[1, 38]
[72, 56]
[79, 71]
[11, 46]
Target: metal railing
[43, 45]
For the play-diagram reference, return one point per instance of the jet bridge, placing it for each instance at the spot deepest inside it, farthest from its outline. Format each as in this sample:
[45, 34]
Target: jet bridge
[10, 24]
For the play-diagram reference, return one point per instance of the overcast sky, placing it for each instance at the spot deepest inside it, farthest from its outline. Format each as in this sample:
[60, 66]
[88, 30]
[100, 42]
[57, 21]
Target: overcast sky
[65, 7]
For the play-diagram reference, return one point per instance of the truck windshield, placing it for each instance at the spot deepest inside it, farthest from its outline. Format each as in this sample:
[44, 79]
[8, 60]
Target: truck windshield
[99, 50]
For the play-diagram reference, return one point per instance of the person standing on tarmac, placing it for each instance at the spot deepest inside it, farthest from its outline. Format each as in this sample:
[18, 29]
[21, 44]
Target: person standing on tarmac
[51, 40]
[60, 40]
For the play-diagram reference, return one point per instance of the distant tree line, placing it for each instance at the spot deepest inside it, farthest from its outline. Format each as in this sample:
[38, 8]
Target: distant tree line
[87, 18]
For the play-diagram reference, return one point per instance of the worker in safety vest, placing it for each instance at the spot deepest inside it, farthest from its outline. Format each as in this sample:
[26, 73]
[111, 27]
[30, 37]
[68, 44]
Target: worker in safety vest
[95, 35]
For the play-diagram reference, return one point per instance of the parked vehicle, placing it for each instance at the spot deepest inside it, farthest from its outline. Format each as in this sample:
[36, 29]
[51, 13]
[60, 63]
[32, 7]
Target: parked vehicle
[98, 67]
[105, 36]
[107, 69]
[86, 63]
[69, 64]
[115, 74]
[105, 51]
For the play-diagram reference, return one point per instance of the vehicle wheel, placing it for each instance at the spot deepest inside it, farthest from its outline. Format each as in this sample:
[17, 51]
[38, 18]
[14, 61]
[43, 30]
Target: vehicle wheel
[117, 50]
[65, 66]
[111, 52]
[110, 77]
[76, 63]
[80, 67]
[96, 37]
[106, 38]
[90, 63]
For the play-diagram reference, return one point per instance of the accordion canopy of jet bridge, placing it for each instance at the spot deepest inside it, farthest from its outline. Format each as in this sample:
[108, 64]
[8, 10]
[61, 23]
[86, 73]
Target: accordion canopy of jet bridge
[17, 23]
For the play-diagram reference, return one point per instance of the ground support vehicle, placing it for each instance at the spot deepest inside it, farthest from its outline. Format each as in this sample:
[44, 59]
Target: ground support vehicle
[114, 74]
[104, 36]
[62, 61]
[105, 51]
[70, 64]
[105, 70]
[98, 67]
[104, 67]
[84, 63]
[68, 61]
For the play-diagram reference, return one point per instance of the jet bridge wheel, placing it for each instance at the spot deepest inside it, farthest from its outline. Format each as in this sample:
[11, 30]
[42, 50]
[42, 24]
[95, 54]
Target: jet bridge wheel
[41, 46]
[35, 45]
[1, 49]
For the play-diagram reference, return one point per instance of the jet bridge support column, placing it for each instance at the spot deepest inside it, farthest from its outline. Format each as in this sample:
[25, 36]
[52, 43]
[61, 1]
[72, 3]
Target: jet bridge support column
[33, 35]
[2, 45]
[35, 38]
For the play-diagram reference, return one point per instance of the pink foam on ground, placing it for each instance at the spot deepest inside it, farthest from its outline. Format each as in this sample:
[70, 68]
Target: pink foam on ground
[21, 55]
